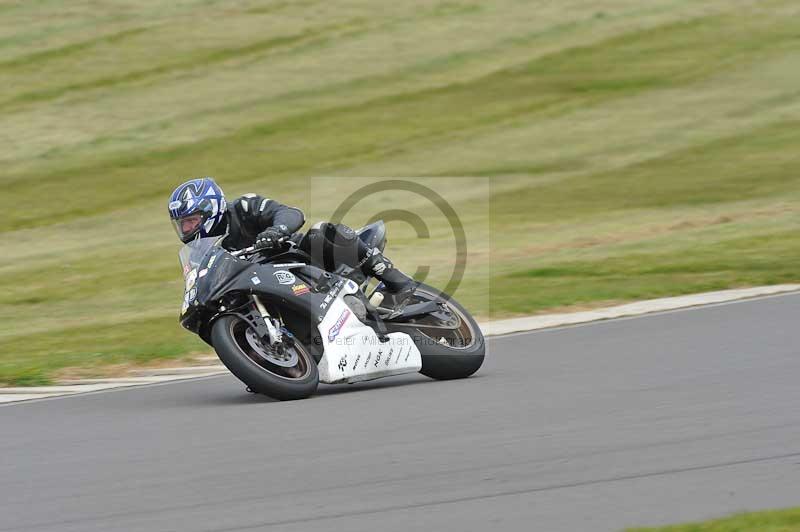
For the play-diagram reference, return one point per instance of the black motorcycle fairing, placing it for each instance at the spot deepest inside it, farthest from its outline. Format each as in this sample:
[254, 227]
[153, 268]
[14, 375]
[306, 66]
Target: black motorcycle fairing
[216, 280]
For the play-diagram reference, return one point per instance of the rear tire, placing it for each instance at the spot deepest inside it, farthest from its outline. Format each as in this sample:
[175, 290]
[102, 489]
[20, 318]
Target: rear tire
[444, 362]
[246, 365]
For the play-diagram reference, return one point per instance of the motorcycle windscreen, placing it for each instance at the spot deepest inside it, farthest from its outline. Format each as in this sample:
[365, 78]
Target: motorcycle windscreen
[191, 257]
[192, 254]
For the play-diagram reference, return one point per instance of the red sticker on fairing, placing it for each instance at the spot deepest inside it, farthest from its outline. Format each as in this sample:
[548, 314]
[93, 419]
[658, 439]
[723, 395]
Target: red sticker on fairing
[300, 289]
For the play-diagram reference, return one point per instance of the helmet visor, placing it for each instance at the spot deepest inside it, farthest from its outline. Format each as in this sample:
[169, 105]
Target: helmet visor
[188, 226]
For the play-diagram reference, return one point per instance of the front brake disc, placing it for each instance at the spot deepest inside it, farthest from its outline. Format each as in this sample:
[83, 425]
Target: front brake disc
[271, 354]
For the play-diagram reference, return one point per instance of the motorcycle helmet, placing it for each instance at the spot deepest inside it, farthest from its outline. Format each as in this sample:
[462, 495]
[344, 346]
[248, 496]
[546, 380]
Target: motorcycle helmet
[197, 209]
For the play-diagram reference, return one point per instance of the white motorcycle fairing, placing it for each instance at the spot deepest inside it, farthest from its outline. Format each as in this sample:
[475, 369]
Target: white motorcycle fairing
[352, 351]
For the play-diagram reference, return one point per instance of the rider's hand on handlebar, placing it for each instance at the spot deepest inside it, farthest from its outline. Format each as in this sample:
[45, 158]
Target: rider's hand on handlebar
[270, 238]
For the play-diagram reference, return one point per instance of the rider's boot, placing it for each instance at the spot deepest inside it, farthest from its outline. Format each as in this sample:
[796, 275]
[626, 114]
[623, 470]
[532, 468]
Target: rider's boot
[398, 284]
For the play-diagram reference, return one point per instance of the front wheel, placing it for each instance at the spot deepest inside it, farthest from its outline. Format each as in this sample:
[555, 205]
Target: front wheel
[450, 342]
[291, 374]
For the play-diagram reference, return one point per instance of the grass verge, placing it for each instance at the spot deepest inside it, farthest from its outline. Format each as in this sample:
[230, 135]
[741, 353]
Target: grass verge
[769, 521]
[603, 155]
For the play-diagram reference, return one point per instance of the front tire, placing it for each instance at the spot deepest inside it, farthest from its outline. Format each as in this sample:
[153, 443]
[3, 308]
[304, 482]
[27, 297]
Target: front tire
[258, 372]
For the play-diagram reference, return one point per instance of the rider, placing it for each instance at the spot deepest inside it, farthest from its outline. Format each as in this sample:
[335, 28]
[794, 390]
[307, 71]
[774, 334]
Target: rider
[198, 209]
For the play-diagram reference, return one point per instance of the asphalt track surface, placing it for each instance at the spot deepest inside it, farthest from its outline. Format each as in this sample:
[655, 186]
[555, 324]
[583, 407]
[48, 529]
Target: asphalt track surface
[657, 419]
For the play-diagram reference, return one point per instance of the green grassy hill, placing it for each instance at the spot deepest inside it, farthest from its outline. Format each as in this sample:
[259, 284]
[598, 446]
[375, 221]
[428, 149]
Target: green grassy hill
[604, 151]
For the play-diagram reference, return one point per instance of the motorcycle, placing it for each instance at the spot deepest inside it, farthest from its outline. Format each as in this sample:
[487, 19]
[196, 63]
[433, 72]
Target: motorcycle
[281, 325]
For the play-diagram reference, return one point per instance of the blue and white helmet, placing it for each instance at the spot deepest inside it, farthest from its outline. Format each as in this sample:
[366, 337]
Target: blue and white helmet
[197, 209]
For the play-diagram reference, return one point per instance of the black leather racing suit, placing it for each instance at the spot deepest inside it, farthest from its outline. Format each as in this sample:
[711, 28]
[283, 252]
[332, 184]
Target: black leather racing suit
[327, 243]
[251, 214]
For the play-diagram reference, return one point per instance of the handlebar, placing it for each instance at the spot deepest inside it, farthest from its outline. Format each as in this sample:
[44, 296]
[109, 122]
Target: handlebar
[245, 251]
[252, 250]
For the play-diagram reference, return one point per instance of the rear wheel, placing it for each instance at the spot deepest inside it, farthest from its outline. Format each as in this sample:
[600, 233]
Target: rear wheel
[450, 341]
[285, 374]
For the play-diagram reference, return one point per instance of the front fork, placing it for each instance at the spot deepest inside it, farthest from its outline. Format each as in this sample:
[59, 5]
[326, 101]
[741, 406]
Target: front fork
[267, 328]
[274, 334]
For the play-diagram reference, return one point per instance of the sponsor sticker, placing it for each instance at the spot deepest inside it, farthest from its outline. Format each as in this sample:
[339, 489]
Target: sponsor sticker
[300, 289]
[332, 294]
[174, 205]
[191, 278]
[337, 288]
[334, 331]
[255, 280]
[326, 301]
[285, 277]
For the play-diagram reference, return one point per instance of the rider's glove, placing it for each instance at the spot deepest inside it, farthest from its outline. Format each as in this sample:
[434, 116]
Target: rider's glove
[269, 238]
